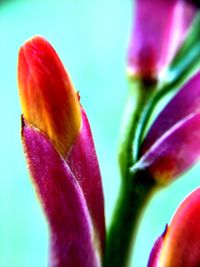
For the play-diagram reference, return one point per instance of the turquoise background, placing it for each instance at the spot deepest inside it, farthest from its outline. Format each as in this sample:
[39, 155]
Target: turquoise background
[91, 38]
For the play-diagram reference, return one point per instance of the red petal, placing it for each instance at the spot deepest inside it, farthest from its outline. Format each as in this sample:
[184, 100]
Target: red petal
[49, 101]
[181, 244]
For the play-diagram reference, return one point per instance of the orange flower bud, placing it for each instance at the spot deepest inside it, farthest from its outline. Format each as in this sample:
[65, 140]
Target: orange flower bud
[49, 101]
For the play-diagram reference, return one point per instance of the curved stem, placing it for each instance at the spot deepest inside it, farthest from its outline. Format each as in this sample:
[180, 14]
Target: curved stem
[132, 200]
[132, 121]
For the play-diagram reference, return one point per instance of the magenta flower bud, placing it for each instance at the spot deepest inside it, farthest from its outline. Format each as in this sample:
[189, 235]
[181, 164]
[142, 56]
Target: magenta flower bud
[172, 144]
[61, 157]
[157, 31]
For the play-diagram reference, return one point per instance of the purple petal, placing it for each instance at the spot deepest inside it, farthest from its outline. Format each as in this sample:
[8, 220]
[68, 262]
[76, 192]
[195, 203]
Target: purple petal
[176, 151]
[158, 29]
[82, 160]
[187, 101]
[155, 253]
[71, 229]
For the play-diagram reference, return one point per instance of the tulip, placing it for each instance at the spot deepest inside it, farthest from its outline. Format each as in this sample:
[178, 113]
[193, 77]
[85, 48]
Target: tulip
[172, 144]
[61, 157]
[179, 245]
[157, 32]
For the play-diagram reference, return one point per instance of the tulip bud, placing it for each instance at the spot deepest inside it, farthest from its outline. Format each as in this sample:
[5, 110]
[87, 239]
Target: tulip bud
[61, 157]
[49, 101]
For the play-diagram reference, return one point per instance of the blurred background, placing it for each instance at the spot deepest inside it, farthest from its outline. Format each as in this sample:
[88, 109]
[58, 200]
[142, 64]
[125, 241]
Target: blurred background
[91, 38]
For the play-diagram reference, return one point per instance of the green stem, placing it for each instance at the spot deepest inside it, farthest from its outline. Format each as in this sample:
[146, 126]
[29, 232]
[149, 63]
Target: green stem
[137, 188]
[132, 118]
[132, 200]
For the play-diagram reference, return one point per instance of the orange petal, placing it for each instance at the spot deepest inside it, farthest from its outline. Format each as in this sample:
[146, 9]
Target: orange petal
[49, 101]
[181, 245]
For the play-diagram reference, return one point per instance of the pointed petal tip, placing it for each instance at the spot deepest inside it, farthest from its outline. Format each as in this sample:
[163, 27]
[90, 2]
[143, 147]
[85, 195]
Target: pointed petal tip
[22, 122]
[174, 152]
[181, 244]
[49, 101]
[155, 252]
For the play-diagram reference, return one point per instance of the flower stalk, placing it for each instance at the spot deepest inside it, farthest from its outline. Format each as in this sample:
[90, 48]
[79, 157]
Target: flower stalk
[133, 197]
[137, 103]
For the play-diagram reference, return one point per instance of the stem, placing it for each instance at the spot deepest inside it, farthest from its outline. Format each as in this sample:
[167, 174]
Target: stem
[132, 118]
[136, 188]
[130, 206]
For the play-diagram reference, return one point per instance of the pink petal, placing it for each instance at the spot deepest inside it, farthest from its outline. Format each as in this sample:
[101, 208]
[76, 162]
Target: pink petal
[71, 229]
[176, 151]
[181, 244]
[82, 160]
[158, 29]
[189, 12]
[187, 101]
[155, 253]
